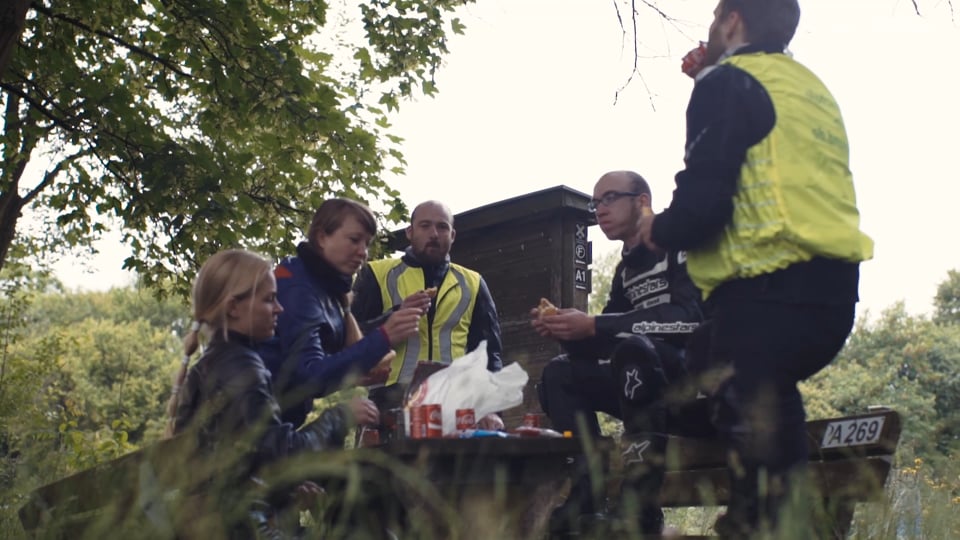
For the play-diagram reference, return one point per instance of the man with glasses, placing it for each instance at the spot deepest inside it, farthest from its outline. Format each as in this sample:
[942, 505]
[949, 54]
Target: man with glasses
[622, 361]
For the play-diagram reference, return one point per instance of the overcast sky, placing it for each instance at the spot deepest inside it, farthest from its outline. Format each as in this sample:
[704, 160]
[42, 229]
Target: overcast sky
[529, 100]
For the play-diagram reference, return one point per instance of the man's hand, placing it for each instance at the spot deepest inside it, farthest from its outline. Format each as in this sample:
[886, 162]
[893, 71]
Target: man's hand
[420, 300]
[536, 320]
[695, 60]
[646, 232]
[490, 422]
[568, 325]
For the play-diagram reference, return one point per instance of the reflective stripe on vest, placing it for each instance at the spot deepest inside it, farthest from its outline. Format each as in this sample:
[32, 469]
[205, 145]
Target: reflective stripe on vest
[455, 300]
[795, 198]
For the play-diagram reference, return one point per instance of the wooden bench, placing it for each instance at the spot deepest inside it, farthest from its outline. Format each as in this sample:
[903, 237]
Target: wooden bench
[125, 494]
[850, 458]
[454, 483]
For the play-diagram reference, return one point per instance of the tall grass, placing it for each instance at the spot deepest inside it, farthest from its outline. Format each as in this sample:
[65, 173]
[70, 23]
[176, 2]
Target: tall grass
[366, 489]
[917, 505]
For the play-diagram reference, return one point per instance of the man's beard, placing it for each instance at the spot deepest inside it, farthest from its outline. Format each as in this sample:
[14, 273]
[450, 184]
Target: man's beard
[434, 258]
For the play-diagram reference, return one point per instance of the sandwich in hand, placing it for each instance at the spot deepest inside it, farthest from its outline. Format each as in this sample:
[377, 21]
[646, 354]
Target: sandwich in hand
[546, 308]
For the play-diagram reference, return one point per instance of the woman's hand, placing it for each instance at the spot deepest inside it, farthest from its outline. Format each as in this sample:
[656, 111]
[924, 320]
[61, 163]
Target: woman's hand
[308, 495]
[402, 324]
[419, 299]
[380, 372]
[363, 411]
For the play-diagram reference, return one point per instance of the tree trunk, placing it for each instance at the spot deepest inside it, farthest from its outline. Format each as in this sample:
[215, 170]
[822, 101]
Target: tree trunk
[10, 206]
[13, 14]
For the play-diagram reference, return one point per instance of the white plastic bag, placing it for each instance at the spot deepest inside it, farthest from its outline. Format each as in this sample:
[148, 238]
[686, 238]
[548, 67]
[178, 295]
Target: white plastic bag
[466, 384]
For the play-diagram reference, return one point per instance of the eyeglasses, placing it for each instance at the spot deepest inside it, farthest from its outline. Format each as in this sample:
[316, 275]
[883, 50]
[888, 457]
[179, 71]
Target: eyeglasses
[609, 198]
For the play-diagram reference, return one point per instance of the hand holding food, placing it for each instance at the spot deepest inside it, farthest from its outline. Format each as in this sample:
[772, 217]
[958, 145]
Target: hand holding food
[545, 308]
[693, 61]
[380, 372]
[402, 324]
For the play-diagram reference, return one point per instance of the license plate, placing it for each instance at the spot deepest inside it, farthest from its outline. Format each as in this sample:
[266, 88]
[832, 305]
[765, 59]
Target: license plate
[855, 432]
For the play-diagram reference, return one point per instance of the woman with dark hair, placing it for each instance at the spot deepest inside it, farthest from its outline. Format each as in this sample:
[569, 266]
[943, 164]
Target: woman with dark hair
[318, 346]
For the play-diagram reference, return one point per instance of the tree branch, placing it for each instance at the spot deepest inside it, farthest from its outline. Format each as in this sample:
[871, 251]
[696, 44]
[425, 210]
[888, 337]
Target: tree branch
[123, 43]
[636, 53]
[59, 122]
[659, 11]
[51, 175]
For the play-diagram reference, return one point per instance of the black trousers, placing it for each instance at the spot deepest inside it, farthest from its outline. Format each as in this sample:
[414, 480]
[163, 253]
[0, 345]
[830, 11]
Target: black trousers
[646, 384]
[579, 388]
[771, 346]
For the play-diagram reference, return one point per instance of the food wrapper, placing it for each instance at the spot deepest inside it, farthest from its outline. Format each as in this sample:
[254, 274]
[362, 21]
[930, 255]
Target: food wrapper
[466, 384]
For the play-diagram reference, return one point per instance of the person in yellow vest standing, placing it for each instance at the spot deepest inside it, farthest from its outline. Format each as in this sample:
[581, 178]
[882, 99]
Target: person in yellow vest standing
[460, 312]
[765, 208]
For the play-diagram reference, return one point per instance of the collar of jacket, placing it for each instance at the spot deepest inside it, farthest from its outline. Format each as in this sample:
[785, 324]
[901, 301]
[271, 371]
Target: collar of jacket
[433, 275]
[332, 280]
[746, 48]
[749, 48]
[230, 336]
[636, 255]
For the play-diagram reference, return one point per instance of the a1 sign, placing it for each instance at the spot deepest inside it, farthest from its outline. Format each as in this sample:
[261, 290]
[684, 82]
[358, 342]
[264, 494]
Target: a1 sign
[853, 432]
[581, 278]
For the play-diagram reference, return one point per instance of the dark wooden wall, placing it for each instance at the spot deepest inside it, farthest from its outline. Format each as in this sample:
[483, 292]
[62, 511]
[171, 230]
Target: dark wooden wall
[526, 248]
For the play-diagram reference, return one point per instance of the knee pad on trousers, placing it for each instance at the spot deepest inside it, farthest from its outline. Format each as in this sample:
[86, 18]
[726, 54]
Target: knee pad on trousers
[640, 375]
[556, 372]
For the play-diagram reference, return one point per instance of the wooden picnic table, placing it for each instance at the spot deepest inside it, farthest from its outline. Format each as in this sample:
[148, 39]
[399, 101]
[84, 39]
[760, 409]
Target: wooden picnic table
[495, 485]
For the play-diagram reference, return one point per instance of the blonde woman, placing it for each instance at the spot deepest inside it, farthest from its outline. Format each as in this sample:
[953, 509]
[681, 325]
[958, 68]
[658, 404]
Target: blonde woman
[226, 399]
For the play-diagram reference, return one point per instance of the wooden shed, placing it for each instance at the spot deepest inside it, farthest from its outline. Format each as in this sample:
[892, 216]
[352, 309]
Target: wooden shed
[527, 247]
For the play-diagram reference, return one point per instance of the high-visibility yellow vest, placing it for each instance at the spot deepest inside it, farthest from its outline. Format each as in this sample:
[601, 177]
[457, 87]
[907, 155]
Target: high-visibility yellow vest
[795, 198]
[446, 339]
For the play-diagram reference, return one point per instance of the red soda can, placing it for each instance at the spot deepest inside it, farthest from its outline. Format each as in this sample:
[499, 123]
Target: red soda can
[418, 422]
[369, 436]
[531, 419]
[692, 62]
[466, 419]
[434, 420]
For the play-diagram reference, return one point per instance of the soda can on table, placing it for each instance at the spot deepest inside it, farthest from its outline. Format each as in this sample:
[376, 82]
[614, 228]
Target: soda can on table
[395, 424]
[369, 436]
[531, 420]
[418, 422]
[434, 417]
[466, 419]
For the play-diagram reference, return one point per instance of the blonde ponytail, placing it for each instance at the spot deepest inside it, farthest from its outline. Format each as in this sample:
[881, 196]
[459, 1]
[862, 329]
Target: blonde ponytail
[191, 342]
